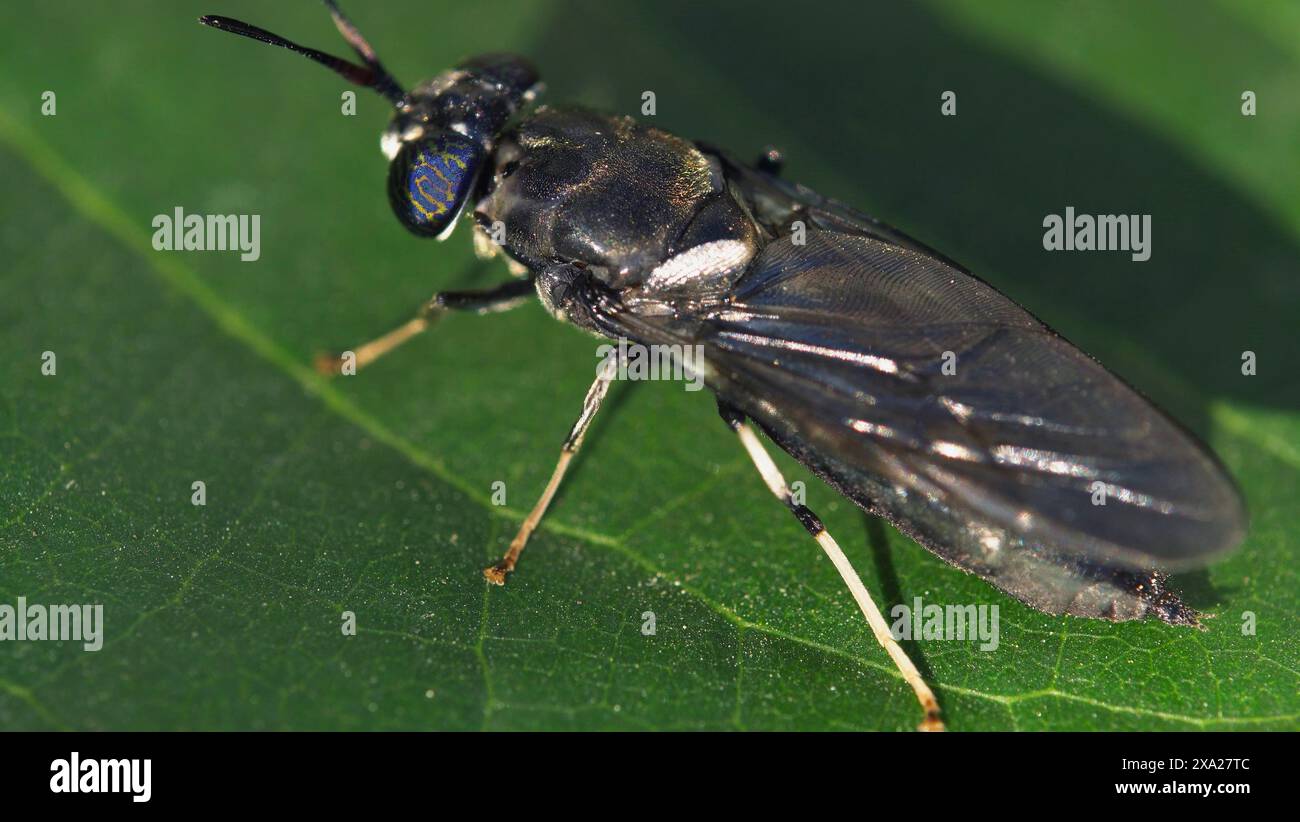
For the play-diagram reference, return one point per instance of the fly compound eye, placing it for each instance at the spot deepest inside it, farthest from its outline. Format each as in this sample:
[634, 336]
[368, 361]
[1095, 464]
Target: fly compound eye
[430, 179]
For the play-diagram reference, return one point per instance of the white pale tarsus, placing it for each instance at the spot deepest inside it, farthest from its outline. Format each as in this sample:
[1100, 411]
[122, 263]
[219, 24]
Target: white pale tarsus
[776, 482]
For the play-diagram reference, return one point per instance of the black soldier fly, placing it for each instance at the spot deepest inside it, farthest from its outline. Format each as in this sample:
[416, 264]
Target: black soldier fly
[1027, 464]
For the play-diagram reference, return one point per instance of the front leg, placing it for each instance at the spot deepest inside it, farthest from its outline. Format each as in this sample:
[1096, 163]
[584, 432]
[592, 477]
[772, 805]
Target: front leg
[501, 298]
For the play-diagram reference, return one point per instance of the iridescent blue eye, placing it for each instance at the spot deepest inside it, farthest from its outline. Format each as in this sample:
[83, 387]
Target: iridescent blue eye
[429, 180]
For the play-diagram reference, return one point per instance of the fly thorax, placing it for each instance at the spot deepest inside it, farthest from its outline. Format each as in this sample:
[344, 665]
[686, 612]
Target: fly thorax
[576, 185]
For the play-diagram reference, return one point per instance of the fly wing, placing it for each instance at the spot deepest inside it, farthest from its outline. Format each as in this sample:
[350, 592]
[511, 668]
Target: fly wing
[775, 203]
[928, 397]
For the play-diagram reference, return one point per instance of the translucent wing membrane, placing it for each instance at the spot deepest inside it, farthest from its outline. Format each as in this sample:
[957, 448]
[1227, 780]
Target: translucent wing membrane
[929, 398]
[852, 340]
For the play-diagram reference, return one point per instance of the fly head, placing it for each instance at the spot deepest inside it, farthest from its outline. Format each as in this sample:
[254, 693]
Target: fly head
[442, 132]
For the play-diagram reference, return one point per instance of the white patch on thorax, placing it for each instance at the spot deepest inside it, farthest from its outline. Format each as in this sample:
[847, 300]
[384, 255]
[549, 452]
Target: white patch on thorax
[703, 262]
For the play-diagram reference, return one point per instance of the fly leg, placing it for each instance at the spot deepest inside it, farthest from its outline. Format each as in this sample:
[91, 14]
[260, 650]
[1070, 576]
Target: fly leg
[776, 482]
[501, 298]
[595, 395]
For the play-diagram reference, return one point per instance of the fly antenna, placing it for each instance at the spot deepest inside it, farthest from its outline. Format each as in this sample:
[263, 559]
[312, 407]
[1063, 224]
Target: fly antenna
[365, 51]
[372, 75]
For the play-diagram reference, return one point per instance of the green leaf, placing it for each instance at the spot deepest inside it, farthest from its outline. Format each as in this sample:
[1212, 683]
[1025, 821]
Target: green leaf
[372, 494]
